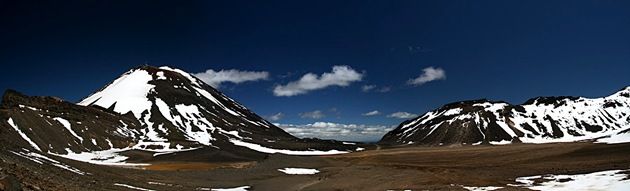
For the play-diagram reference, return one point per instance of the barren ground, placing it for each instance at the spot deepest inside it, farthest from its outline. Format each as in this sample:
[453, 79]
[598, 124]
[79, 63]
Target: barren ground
[413, 167]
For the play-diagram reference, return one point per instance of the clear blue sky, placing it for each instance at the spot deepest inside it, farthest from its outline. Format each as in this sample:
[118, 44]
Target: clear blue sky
[501, 50]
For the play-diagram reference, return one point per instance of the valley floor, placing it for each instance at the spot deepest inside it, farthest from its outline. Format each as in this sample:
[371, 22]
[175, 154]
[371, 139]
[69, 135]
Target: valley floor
[401, 168]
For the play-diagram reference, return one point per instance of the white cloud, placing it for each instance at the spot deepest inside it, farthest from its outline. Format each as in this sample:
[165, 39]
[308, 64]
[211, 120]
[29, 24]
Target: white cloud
[372, 113]
[317, 114]
[370, 88]
[276, 117]
[340, 76]
[338, 131]
[215, 78]
[402, 115]
[367, 88]
[428, 74]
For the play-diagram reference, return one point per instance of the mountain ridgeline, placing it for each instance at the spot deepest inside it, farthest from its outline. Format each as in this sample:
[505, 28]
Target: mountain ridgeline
[539, 120]
[169, 112]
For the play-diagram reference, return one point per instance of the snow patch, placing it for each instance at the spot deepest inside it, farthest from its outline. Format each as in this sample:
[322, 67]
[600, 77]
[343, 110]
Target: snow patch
[615, 180]
[260, 148]
[29, 107]
[502, 142]
[106, 157]
[185, 74]
[484, 188]
[452, 111]
[299, 171]
[160, 75]
[242, 188]
[165, 147]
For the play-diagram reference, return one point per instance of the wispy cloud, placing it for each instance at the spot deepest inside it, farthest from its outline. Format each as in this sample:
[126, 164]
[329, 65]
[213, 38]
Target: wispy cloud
[338, 131]
[216, 78]
[374, 88]
[317, 114]
[367, 88]
[276, 117]
[428, 74]
[372, 113]
[402, 115]
[340, 76]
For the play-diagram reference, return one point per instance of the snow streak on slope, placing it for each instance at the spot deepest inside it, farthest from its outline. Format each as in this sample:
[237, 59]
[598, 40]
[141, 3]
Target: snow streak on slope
[67, 125]
[241, 188]
[41, 159]
[132, 187]
[540, 120]
[263, 149]
[24, 136]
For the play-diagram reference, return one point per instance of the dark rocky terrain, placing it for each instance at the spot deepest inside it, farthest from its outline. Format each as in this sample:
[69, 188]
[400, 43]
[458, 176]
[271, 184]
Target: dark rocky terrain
[41, 120]
[400, 168]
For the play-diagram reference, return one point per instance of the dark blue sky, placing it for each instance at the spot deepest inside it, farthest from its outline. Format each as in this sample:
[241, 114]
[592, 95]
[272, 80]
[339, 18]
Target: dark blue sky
[501, 50]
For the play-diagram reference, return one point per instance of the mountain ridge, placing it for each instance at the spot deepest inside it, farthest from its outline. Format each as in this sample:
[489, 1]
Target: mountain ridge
[537, 120]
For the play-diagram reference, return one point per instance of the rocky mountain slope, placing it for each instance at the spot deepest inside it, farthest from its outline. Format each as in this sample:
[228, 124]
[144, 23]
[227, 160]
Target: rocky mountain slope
[539, 120]
[163, 111]
[49, 124]
[175, 107]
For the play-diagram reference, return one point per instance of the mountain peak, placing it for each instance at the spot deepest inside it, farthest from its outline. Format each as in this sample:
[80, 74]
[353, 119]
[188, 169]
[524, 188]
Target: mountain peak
[173, 105]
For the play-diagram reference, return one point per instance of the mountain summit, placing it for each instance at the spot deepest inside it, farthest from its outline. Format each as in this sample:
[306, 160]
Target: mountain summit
[177, 110]
[176, 107]
[539, 120]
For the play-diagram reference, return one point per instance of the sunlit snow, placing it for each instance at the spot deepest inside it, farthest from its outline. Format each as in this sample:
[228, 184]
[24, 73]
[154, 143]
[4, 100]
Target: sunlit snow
[67, 125]
[260, 148]
[129, 93]
[299, 171]
[612, 180]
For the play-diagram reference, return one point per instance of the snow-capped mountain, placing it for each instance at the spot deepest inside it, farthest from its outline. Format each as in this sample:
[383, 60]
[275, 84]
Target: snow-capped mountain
[150, 109]
[539, 120]
[173, 106]
[176, 109]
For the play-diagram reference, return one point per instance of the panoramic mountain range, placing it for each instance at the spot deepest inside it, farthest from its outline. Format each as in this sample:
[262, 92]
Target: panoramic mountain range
[158, 120]
[538, 120]
[163, 110]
